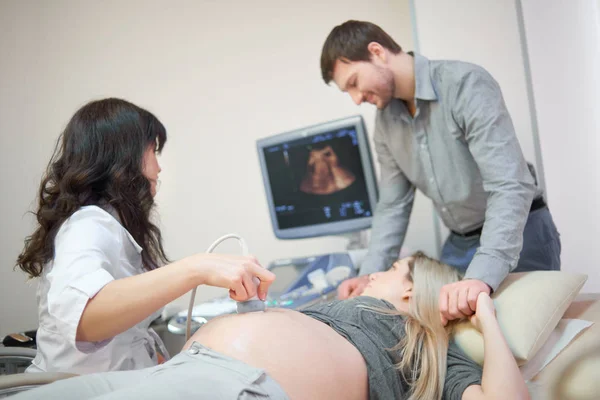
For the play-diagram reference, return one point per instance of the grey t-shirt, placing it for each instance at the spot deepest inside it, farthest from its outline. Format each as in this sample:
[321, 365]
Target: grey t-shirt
[375, 334]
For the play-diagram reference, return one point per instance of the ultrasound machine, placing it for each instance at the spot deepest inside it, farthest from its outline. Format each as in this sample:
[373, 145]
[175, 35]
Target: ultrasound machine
[319, 180]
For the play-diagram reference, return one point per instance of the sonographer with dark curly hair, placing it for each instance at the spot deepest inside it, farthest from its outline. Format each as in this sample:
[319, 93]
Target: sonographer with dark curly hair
[99, 258]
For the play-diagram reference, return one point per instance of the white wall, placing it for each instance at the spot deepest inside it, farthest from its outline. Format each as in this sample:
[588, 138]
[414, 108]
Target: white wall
[483, 32]
[219, 74]
[563, 39]
[564, 49]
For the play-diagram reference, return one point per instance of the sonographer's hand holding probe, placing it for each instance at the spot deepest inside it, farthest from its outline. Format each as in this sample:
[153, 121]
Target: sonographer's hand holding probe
[248, 282]
[236, 273]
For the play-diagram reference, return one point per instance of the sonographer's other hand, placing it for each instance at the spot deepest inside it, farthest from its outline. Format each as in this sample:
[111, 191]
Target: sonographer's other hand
[352, 287]
[234, 273]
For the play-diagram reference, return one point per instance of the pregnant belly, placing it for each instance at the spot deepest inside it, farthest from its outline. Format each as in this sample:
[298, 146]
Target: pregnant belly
[306, 357]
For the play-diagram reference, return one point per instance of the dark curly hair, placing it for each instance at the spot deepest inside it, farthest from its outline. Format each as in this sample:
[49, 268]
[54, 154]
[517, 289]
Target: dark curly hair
[98, 160]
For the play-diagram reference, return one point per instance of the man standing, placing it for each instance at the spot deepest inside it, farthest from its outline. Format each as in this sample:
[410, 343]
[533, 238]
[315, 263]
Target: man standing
[442, 127]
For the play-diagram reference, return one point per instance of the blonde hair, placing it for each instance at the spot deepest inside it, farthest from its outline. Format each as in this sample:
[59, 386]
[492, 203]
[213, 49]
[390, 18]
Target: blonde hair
[424, 347]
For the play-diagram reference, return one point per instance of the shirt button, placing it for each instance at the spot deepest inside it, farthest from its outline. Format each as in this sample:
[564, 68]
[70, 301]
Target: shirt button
[193, 351]
[444, 209]
[423, 146]
[431, 180]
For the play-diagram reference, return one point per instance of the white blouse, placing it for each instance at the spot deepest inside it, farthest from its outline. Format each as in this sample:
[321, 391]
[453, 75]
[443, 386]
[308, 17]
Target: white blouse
[91, 249]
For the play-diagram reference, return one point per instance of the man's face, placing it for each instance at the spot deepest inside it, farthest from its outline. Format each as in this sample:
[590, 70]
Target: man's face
[369, 81]
[393, 285]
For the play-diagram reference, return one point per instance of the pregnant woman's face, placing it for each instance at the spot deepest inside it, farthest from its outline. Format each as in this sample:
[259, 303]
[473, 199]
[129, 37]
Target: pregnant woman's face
[324, 175]
[393, 285]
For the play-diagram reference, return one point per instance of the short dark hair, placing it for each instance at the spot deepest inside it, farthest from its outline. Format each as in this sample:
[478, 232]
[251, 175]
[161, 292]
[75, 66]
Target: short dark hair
[349, 41]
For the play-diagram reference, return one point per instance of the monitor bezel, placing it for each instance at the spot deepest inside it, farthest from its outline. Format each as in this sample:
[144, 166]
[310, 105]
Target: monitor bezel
[326, 228]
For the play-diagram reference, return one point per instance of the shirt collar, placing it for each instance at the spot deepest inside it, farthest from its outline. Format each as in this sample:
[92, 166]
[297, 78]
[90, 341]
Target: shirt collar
[114, 213]
[424, 89]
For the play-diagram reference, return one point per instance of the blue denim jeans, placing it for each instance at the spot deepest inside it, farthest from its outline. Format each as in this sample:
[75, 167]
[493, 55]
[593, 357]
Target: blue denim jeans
[541, 246]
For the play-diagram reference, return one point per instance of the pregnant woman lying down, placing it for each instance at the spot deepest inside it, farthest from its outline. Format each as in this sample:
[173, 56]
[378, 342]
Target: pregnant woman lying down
[387, 344]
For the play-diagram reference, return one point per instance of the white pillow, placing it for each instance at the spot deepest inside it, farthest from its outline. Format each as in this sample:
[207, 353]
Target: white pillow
[529, 306]
[559, 339]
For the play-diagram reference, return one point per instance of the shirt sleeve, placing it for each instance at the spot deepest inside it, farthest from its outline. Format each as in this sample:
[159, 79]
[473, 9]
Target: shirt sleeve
[461, 372]
[85, 251]
[480, 111]
[390, 220]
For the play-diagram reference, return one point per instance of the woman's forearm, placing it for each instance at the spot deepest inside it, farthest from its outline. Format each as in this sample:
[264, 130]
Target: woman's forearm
[502, 378]
[123, 303]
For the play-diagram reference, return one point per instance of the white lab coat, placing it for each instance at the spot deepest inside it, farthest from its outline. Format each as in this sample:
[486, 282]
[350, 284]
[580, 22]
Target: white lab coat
[91, 249]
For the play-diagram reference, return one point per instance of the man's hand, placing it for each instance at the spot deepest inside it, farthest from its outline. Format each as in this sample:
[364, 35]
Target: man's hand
[352, 287]
[459, 299]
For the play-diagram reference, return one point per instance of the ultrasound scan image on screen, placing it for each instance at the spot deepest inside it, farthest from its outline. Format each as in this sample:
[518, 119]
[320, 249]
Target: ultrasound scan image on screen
[319, 178]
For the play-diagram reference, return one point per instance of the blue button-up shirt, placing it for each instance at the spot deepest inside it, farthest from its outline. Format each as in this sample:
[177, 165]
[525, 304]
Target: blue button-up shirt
[461, 151]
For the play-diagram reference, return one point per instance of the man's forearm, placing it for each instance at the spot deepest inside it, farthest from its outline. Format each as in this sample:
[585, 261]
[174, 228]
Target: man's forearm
[490, 134]
[488, 269]
[502, 236]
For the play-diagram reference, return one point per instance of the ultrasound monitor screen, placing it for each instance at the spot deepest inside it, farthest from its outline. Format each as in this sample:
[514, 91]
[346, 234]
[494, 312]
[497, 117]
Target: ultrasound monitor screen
[318, 179]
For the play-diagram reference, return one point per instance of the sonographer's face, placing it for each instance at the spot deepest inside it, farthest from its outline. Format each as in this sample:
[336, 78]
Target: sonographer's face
[368, 81]
[151, 168]
[393, 285]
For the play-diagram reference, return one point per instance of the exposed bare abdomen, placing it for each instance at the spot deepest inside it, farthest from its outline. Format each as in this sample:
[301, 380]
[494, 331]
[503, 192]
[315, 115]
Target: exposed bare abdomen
[306, 357]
